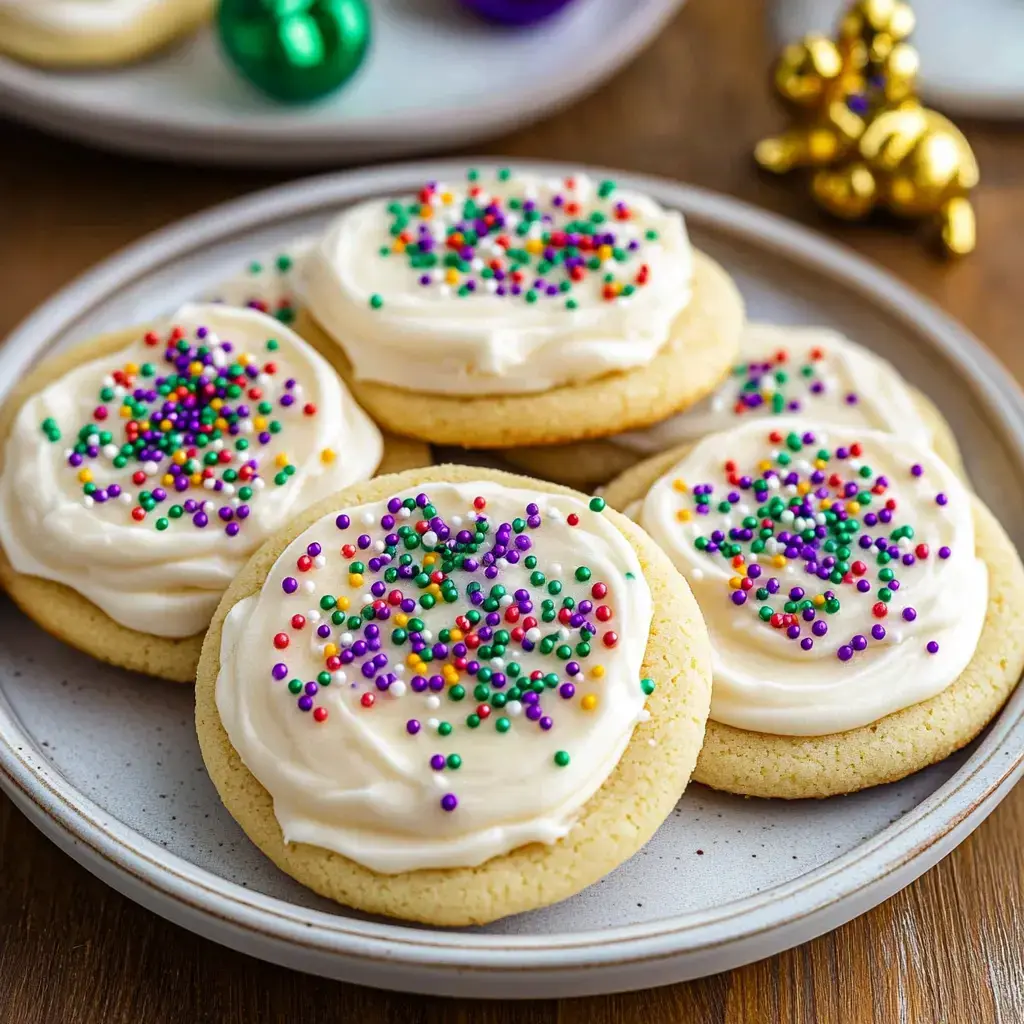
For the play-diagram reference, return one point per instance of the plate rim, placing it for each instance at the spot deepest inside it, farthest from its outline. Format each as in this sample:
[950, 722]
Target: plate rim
[28, 93]
[901, 851]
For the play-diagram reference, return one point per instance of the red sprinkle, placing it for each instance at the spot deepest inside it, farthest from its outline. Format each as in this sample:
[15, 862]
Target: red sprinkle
[281, 641]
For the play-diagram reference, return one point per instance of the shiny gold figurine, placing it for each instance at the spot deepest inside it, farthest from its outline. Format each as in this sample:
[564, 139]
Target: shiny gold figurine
[860, 124]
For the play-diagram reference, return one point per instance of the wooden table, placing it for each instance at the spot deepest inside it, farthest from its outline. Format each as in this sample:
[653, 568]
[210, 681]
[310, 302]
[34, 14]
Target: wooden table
[946, 949]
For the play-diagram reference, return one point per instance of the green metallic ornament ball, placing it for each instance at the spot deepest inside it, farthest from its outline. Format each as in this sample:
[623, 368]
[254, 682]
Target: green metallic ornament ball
[295, 51]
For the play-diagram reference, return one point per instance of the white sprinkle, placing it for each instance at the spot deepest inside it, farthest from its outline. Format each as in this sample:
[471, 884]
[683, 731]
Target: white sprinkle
[563, 632]
[506, 600]
[513, 709]
[697, 574]
[497, 663]
[110, 450]
[430, 539]
[379, 545]
[433, 702]
[126, 498]
[209, 484]
[456, 521]
[246, 427]
[150, 468]
[88, 501]
[426, 636]
[257, 483]
[314, 616]
[433, 723]
[367, 599]
[368, 519]
[320, 561]
[218, 445]
[399, 669]
[339, 676]
[404, 513]
[228, 489]
[309, 586]
[533, 635]
[345, 639]
[397, 688]
[219, 357]
[643, 715]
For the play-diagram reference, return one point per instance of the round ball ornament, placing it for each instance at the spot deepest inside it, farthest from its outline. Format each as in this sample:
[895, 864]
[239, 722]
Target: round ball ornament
[295, 51]
[515, 12]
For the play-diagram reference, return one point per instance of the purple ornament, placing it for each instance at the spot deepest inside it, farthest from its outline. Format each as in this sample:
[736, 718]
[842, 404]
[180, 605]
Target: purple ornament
[514, 12]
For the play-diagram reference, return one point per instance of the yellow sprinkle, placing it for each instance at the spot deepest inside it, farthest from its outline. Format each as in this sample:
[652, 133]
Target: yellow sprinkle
[803, 487]
[450, 672]
[853, 507]
[216, 404]
[399, 246]
[413, 661]
[429, 559]
[820, 463]
[616, 287]
[534, 245]
[220, 423]
[679, 484]
[125, 412]
[196, 479]
[179, 457]
[343, 603]
[767, 395]
[144, 425]
[779, 561]
[735, 583]
[355, 579]
[456, 635]
[330, 650]
[446, 198]
[683, 515]
[131, 367]
[259, 422]
[764, 464]
[589, 702]
[451, 276]
[281, 459]
[243, 359]
[818, 600]
[85, 476]
[426, 212]
[327, 455]
[165, 425]
[597, 671]
[167, 480]
[604, 252]
[195, 369]
[434, 590]
[401, 619]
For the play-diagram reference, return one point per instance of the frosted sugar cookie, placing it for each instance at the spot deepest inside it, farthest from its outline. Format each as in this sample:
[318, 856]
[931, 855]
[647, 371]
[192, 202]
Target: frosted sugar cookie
[453, 694]
[865, 609]
[83, 33]
[510, 309]
[141, 469]
[271, 283]
[781, 370]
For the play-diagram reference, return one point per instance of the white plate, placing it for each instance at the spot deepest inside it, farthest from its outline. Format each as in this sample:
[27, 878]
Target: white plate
[107, 764]
[972, 54]
[435, 77]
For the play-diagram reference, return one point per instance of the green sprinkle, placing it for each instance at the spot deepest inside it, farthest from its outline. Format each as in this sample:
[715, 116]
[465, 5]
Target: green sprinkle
[562, 758]
[376, 301]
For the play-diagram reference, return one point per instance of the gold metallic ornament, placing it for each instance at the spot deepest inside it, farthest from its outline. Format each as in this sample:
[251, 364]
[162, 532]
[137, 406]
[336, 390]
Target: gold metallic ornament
[859, 124]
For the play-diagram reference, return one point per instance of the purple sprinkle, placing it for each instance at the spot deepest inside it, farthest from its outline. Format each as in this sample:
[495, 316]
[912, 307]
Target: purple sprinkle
[449, 802]
[412, 727]
[437, 762]
[845, 653]
[280, 670]
[932, 647]
[909, 614]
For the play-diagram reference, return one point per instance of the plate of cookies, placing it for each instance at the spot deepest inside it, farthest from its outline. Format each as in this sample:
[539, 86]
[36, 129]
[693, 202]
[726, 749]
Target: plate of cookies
[506, 581]
[336, 81]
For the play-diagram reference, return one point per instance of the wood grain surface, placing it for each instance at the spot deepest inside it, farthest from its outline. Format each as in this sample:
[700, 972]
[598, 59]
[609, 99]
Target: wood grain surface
[947, 949]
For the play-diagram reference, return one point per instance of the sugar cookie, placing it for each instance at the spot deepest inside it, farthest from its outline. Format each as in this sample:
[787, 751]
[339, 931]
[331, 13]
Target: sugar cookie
[453, 694]
[141, 469]
[93, 33]
[513, 309]
[781, 370]
[864, 608]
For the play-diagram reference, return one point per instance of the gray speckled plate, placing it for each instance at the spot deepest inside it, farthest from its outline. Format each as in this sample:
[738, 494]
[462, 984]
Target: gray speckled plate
[108, 766]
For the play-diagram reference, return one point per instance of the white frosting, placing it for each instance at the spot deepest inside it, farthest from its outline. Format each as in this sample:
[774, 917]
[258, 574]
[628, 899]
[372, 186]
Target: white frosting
[764, 681]
[360, 783]
[827, 377]
[77, 17]
[270, 283]
[168, 582]
[428, 338]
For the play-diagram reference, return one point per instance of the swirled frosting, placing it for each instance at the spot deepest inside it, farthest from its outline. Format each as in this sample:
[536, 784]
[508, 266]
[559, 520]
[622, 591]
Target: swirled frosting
[813, 371]
[835, 568]
[504, 284]
[439, 678]
[144, 479]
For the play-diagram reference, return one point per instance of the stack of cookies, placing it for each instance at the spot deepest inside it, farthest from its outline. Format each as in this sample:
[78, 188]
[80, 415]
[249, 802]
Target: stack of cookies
[449, 693]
